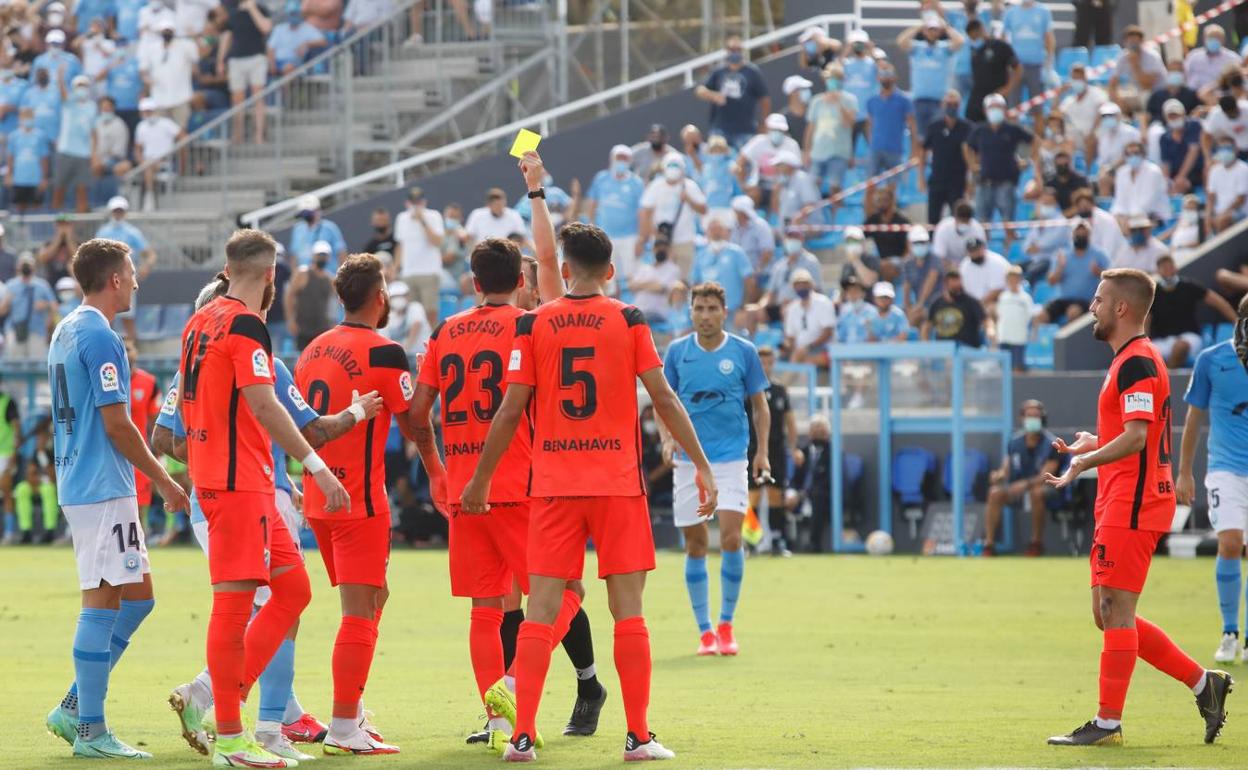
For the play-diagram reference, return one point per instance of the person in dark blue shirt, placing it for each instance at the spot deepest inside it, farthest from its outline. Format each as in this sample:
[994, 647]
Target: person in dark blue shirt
[1030, 456]
[1182, 161]
[992, 154]
[945, 139]
[738, 95]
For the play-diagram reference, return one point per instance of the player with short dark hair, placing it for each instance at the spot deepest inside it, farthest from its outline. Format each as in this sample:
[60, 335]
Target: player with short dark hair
[97, 449]
[231, 410]
[571, 356]
[355, 545]
[1134, 507]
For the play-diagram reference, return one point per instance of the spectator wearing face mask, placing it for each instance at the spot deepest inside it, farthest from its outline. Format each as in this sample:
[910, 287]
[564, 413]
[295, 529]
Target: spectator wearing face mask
[1107, 235]
[798, 94]
[612, 203]
[946, 141]
[1173, 87]
[313, 228]
[995, 69]
[931, 46]
[762, 150]
[291, 41]
[1229, 119]
[862, 261]
[1063, 180]
[1204, 65]
[884, 212]
[722, 261]
[154, 139]
[1015, 310]
[949, 238]
[1141, 250]
[780, 282]
[992, 156]
[919, 273]
[1140, 187]
[648, 155]
[493, 220]
[983, 272]
[60, 64]
[1182, 162]
[308, 295]
[382, 238]
[1045, 242]
[26, 166]
[110, 160]
[1029, 458]
[117, 228]
[828, 143]
[43, 99]
[809, 321]
[752, 233]
[886, 322]
[409, 325]
[1075, 272]
[738, 94]
[31, 302]
[1227, 188]
[168, 70]
[716, 174]
[71, 170]
[889, 114]
[853, 314]
[1185, 235]
[123, 83]
[1081, 109]
[96, 50]
[652, 282]
[796, 194]
[1174, 327]
[1113, 136]
[11, 90]
[1136, 73]
[68, 296]
[672, 203]
[955, 316]
[1051, 139]
[817, 50]
[861, 77]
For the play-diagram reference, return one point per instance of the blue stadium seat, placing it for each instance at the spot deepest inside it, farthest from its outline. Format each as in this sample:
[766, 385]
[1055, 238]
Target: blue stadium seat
[974, 468]
[911, 467]
[174, 319]
[1103, 54]
[147, 322]
[1068, 57]
[1017, 256]
[1223, 332]
[1206, 335]
[1044, 293]
[448, 304]
[854, 467]
[1039, 353]
[767, 335]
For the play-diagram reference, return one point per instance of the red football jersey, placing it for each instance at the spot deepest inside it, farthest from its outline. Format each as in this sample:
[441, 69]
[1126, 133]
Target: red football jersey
[348, 359]
[465, 363]
[582, 356]
[1136, 491]
[225, 348]
[144, 405]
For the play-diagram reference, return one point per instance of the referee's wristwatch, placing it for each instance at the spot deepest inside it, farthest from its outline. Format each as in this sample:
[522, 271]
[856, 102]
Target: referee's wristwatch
[538, 193]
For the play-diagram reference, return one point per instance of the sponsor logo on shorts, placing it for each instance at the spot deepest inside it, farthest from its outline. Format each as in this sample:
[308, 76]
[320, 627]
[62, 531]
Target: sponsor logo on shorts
[726, 366]
[514, 364]
[1102, 563]
[260, 363]
[132, 563]
[108, 378]
[1137, 402]
[405, 385]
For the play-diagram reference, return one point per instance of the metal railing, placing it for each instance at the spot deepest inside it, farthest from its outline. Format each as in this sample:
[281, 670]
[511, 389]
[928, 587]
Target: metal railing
[362, 89]
[181, 240]
[681, 76]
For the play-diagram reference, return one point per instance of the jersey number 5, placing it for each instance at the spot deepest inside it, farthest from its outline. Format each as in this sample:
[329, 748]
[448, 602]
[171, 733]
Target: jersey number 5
[570, 377]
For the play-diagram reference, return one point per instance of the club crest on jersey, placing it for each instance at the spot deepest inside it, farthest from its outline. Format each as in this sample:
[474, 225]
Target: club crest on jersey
[296, 398]
[132, 562]
[405, 385]
[108, 377]
[260, 364]
[171, 403]
[514, 364]
[725, 366]
[1137, 402]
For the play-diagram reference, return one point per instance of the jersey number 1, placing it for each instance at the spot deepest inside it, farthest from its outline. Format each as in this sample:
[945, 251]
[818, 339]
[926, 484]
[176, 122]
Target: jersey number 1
[193, 357]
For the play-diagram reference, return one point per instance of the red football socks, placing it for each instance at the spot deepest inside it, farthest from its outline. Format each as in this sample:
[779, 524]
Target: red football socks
[1164, 655]
[563, 621]
[632, 662]
[533, 646]
[486, 646]
[353, 656]
[1117, 662]
[226, 628]
[291, 593]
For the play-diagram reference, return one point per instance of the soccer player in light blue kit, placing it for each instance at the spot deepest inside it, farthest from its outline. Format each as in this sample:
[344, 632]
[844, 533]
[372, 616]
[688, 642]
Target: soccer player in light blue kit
[713, 373]
[1218, 394]
[282, 719]
[97, 450]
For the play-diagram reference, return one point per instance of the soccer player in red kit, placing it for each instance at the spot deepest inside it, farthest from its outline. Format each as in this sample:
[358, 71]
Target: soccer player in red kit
[230, 411]
[578, 359]
[348, 359]
[144, 406]
[1134, 507]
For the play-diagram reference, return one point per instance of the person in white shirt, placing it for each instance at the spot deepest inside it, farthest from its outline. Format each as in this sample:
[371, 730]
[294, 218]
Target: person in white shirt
[652, 284]
[418, 235]
[1227, 188]
[983, 271]
[409, 323]
[96, 50]
[1185, 235]
[1015, 312]
[1106, 232]
[809, 321]
[154, 138]
[951, 234]
[167, 71]
[1081, 109]
[192, 16]
[1141, 249]
[493, 220]
[1229, 118]
[761, 149]
[1204, 65]
[1112, 138]
[1139, 187]
[672, 202]
[152, 19]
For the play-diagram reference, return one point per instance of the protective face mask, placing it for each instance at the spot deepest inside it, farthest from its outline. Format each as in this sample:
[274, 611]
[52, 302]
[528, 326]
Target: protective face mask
[919, 249]
[887, 83]
[1176, 124]
[1135, 161]
[792, 246]
[620, 167]
[1139, 237]
[1033, 424]
[811, 47]
[673, 173]
[951, 110]
[1225, 155]
[649, 426]
[782, 179]
[735, 57]
[976, 44]
[1078, 86]
[775, 137]
[81, 92]
[716, 246]
[1174, 79]
[452, 224]
[1046, 211]
[804, 96]
[996, 115]
[1213, 45]
[1170, 282]
[860, 48]
[832, 84]
[802, 293]
[548, 181]
[65, 296]
[1109, 123]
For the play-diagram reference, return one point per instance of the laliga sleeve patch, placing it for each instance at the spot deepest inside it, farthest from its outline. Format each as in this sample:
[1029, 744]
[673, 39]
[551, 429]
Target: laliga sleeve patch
[260, 363]
[296, 398]
[514, 364]
[108, 378]
[1137, 402]
[405, 385]
[171, 403]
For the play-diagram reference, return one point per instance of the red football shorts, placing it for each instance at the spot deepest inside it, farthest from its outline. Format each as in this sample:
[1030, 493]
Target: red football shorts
[488, 550]
[143, 491]
[1120, 557]
[354, 550]
[246, 536]
[619, 526]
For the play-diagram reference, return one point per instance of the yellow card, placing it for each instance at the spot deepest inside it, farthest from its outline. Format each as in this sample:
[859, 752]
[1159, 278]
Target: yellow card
[526, 141]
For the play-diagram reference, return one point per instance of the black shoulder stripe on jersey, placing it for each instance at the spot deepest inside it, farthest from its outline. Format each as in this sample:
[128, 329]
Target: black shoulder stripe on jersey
[633, 316]
[1135, 369]
[391, 356]
[251, 327]
[437, 330]
[524, 324]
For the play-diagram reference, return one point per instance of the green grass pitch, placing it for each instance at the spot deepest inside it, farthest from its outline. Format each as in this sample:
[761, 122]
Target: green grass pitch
[846, 662]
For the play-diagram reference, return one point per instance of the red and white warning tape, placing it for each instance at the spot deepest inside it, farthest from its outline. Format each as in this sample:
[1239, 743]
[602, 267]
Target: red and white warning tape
[906, 228]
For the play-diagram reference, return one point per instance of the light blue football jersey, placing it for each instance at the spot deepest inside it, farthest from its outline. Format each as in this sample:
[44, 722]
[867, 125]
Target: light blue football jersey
[1219, 385]
[713, 385]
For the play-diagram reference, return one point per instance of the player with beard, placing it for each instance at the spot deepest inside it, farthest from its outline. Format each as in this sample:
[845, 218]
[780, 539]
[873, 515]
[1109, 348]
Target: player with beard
[1135, 504]
[355, 545]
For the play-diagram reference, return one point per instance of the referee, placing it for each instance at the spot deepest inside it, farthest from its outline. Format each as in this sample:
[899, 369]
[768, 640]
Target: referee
[781, 445]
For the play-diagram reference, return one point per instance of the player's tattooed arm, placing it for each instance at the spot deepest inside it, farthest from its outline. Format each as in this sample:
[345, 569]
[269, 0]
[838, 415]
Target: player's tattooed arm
[165, 443]
[549, 283]
[328, 427]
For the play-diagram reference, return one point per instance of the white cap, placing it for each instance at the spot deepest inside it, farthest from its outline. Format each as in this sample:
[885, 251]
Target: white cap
[994, 100]
[883, 289]
[855, 234]
[1109, 108]
[1173, 107]
[308, 202]
[322, 247]
[55, 7]
[777, 122]
[621, 149]
[743, 203]
[810, 33]
[65, 282]
[118, 202]
[880, 54]
[1139, 221]
[54, 37]
[397, 289]
[932, 22]
[801, 275]
[786, 158]
[858, 36]
[795, 83]
[918, 234]
[80, 80]
[147, 104]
